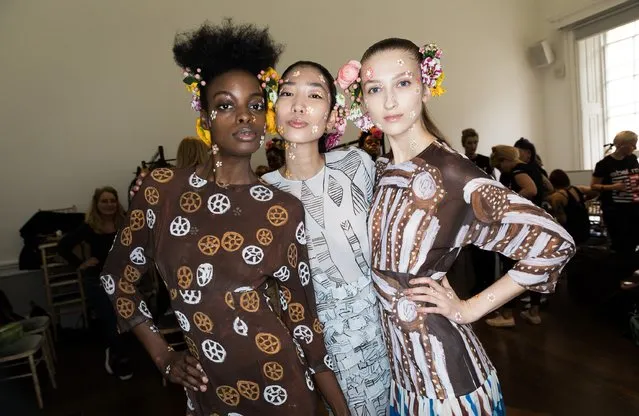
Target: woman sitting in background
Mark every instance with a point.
(103, 219)
(569, 205)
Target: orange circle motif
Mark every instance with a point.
(152, 195)
(232, 241)
(203, 322)
(125, 307)
(131, 274)
(268, 343)
(209, 245)
(137, 220)
(250, 301)
(184, 277)
(317, 326)
(228, 395)
(126, 287)
(192, 347)
(249, 389)
(126, 238)
(162, 175)
(264, 236)
(173, 293)
(286, 294)
(273, 370)
(277, 215)
(296, 312)
(292, 255)
(228, 299)
(190, 202)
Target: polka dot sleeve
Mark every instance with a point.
(130, 257)
(297, 296)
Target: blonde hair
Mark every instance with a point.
(191, 152)
(93, 217)
(625, 137)
(502, 153)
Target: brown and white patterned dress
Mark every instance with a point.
(217, 249)
(424, 210)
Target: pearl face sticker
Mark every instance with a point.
(314, 129)
(322, 79)
(369, 73)
(280, 130)
(296, 74)
(400, 62)
(213, 115)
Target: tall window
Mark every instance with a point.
(621, 79)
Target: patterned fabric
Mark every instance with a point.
(337, 201)
(217, 249)
(424, 210)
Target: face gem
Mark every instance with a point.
(296, 73)
(400, 62)
(314, 129)
(369, 73)
(322, 79)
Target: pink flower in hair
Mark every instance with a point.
(348, 74)
(364, 123)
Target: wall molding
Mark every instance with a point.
(560, 21)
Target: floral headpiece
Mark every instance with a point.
(270, 82)
(349, 80)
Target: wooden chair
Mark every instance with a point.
(24, 351)
(41, 325)
(63, 286)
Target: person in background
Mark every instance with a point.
(274, 156)
(470, 140)
(103, 219)
(525, 181)
(569, 205)
(528, 154)
(371, 142)
(483, 261)
(616, 176)
(192, 151)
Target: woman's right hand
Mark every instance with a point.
(182, 368)
(619, 186)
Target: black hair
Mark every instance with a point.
(217, 49)
(332, 90)
(526, 144)
(559, 179)
(410, 47)
(466, 133)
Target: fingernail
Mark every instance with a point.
(199, 367)
(194, 388)
(205, 380)
(203, 388)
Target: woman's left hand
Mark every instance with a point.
(444, 299)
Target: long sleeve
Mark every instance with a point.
(130, 258)
(502, 221)
(70, 241)
(297, 294)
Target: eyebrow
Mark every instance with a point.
(403, 74)
(312, 84)
(255, 94)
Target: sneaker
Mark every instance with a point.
(533, 319)
(501, 322)
(108, 361)
(123, 369)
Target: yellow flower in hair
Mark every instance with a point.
(193, 88)
(438, 90)
(202, 133)
(270, 120)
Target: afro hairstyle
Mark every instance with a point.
(217, 49)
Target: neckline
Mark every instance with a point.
(318, 174)
(227, 186)
(419, 155)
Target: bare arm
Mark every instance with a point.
(597, 185)
(528, 187)
(559, 202)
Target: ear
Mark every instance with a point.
(332, 120)
(206, 123)
(427, 95)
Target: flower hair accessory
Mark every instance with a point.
(431, 69)
(194, 81)
(270, 82)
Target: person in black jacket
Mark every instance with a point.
(470, 141)
(103, 219)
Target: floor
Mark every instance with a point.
(575, 363)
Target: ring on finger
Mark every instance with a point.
(167, 369)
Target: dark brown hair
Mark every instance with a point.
(559, 179)
(466, 133)
(407, 46)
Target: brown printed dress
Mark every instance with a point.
(217, 250)
(424, 210)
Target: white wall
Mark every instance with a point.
(561, 109)
(90, 88)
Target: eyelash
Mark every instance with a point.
(370, 90)
(403, 84)
(289, 94)
(254, 107)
